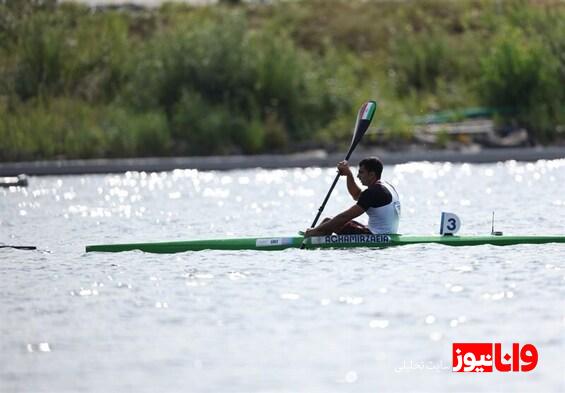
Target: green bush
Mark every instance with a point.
(202, 128)
(39, 68)
(521, 74)
(222, 78)
(133, 134)
(419, 61)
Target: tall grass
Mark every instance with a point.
(67, 128)
(78, 55)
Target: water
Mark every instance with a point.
(326, 320)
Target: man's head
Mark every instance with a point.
(370, 170)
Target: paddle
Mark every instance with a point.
(18, 247)
(364, 117)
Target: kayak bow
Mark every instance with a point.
(333, 241)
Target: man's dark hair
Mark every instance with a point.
(372, 164)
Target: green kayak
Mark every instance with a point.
(333, 241)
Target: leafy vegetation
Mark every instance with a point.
(246, 78)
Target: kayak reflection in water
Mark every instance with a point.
(379, 200)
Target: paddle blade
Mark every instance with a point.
(364, 118)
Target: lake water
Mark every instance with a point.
(356, 320)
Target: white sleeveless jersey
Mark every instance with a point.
(385, 219)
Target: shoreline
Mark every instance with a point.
(301, 160)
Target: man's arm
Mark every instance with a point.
(352, 187)
(330, 226)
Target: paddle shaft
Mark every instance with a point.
(323, 206)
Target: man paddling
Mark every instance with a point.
(379, 200)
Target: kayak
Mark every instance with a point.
(317, 242)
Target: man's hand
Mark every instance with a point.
(343, 169)
(310, 232)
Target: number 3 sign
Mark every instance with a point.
(450, 224)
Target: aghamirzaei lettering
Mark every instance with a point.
(333, 239)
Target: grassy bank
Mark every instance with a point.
(181, 80)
